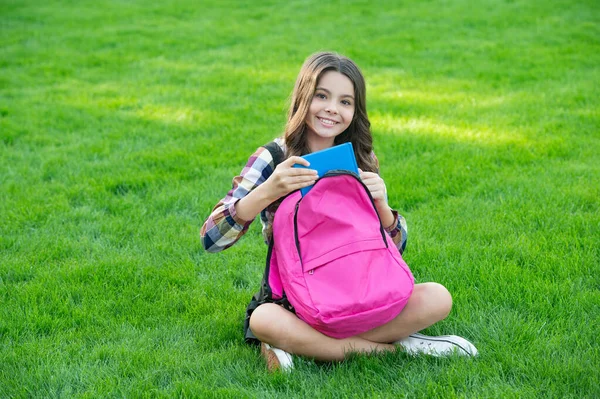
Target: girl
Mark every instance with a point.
(328, 108)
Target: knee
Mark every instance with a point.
(438, 299)
(263, 321)
(444, 300)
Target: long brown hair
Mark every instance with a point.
(359, 131)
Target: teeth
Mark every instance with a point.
(327, 121)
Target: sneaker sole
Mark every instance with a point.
(467, 347)
(271, 358)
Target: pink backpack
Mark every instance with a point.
(333, 261)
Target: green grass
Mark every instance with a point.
(122, 123)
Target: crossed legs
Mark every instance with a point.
(270, 323)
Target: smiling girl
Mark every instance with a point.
(328, 107)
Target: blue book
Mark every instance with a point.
(339, 157)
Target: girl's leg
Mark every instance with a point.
(282, 329)
(270, 323)
(428, 304)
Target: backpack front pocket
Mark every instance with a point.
(354, 279)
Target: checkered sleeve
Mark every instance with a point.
(223, 227)
(397, 230)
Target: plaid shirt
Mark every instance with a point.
(223, 228)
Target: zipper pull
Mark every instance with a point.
(312, 271)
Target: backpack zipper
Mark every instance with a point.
(330, 174)
(296, 239)
(357, 177)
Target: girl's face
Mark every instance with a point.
(331, 110)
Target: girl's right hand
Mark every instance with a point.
(286, 178)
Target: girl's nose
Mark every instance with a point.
(331, 109)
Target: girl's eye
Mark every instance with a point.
(320, 95)
(346, 102)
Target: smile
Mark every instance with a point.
(326, 121)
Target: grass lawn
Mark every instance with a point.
(123, 122)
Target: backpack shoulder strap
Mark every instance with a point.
(276, 153)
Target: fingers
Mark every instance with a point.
(374, 184)
(289, 184)
(377, 193)
(287, 168)
(303, 180)
(296, 160)
(370, 177)
(288, 178)
(375, 188)
(298, 172)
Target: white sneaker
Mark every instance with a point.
(277, 359)
(443, 345)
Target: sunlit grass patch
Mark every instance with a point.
(484, 135)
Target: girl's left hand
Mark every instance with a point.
(376, 186)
